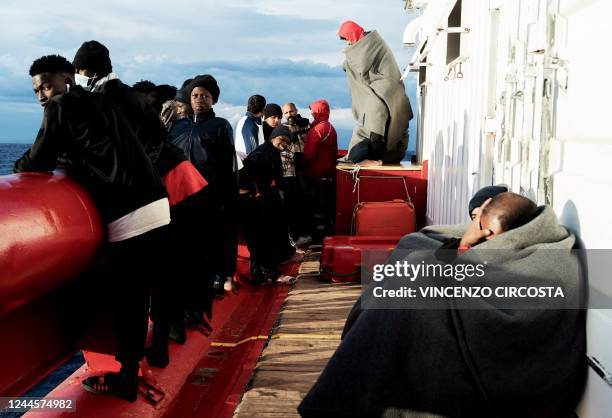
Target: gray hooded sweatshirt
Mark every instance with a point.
(379, 100)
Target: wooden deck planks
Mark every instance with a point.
(307, 334)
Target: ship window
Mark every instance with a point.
(453, 40)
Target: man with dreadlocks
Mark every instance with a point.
(104, 155)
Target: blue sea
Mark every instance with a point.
(11, 152)
(8, 154)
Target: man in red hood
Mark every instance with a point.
(321, 146)
(319, 163)
(379, 103)
(351, 32)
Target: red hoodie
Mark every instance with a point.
(321, 146)
(351, 31)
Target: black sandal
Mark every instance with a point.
(112, 384)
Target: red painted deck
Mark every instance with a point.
(207, 375)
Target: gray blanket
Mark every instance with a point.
(489, 361)
(379, 100)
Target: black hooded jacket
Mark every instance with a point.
(267, 130)
(145, 123)
(102, 152)
(208, 143)
(261, 166)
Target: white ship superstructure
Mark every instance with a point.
(515, 92)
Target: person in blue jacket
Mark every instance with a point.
(249, 130)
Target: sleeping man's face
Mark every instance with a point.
(489, 221)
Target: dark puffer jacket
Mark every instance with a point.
(145, 123)
(207, 141)
(101, 150)
(261, 167)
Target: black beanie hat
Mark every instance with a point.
(208, 82)
(93, 56)
(182, 96)
(272, 109)
(483, 194)
(280, 130)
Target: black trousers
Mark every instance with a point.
(188, 252)
(264, 226)
(294, 204)
(321, 206)
(135, 264)
(226, 244)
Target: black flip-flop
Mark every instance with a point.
(102, 385)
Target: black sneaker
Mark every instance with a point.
(157, 357)
(177, 332)
(258, 275)
(113, 384)
(193, 317)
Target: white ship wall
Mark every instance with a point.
(581, 162)
(531, 112)
(454, 118)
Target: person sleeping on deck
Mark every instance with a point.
(467, 357)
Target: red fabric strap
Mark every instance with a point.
(183, 181)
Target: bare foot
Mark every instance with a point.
(370, 163)
(286, 280)
(297, 257)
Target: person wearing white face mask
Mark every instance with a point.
(93, 71)
(92, 66)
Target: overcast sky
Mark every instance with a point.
(284, 50)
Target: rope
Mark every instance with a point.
(355, 174)
(236, 344)
(390, 177)
(287, 336)
(279, 336)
